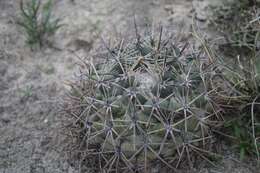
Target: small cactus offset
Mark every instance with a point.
(147, 103)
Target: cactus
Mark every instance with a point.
(147, 102)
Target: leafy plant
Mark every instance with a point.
(37, 21)
(145, 103)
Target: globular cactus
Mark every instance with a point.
(147, 102)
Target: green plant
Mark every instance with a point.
(237, 79)
(241, 93)
(145, 103)
(238, 130)
(26, 92)
(240, 75)
(37, 21)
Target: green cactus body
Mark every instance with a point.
(135, 123)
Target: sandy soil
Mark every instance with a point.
(32, 83)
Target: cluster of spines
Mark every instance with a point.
(131, 126)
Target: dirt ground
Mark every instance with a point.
(32, 83)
